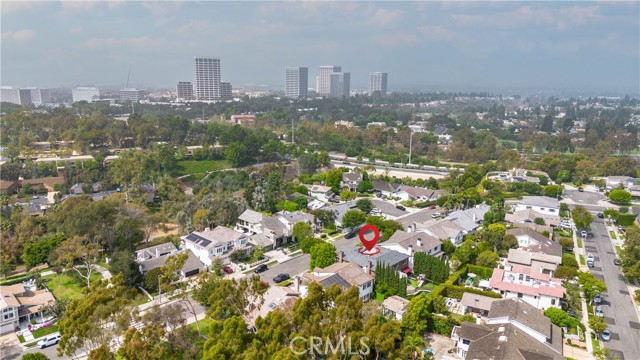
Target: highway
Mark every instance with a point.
(396, 172)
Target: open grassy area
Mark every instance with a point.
(582, 260)
(579, 243)
(612, 234)
(67, 286)
(618, 250)
(45, 331)
(186, 167)
(204, 325)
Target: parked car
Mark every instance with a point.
(400, 207)
(590, 264)
(432, 207)
(601, 215)
(590, 257)
(580, 189)
(622, 228)
(606, 335)
(616, 262)
(49, 340)
(350, 235)
(260, 268)
(280, 278)
(597, 299)
(599, 311)
(334, 200)
(227, 269)
(572, 313)
(569, 249)
(584, 233)
(436, 215)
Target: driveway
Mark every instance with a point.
(619, 310)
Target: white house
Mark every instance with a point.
(320, 192)
(443, 230)
(543, 204)
(208, 244)
(386, 188)
(411, 243)
(540, 290)
(156, 256)
(19, 303)
(351, 180)
(395, 306)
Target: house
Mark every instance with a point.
(36, 206)
(525, 216)
(537, 262)
(19, 303)
(532, 241)
(542, 204)
(443, 230)
(619, 182)
(150, 258)
(48, 183)
(469, 220)
(76, 189)
(414, 193)
(263, 230)
(351, 180)
(410, 243)
(379, 255)
(514, 330)
(157, 251)
(320, 192)
(539, 290)
(476, 304)
(244, 120)
(209, 243)
(395, 306)
(409, 220)
(386, 188)
(290, 219)
(275, 297)
(340, 209)
(8, 187)
(344, 274)
(533, 226)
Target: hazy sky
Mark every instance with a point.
(422, 45)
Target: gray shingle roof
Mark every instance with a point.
(542, 201)
(386, 256)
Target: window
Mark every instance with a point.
(521, 277)
(527, 278)
(466, 342)
(552, 210)
(553, 301)
(542, 209)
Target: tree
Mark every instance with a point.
(307, 243)
(365, 205)
(308, 163)
(566, 242)
(434, 269)
(79, 249)
(333, 178)
(322, 255)
(630, 255)
(581, 217)
(236, 154)
(389, 282)
(143, 344)
(591, 285)
(619, 196)
(302, 230)
(123, 262)
(597, 324)
(323, 158)
(37, 251)
(560, 318)
(487, 259)
(201, 219)
(151, 279)
(353, 218)
(538, 221)
(170, 281)
(346, 195)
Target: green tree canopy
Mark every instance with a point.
(322, 255)
(581, 217)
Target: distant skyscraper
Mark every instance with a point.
(378, 82)
(225, 90)
(15, 96)
(184, 90)
(324, 79)
(296, 82)
(340, 84)
(39, 96)
(131, 95)
(207, 71)
(88, 94)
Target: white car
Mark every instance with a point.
(584, 233)
(436, 215)
(599, 311)
(590, 257)
(49, 340)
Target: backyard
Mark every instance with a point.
(66, 285)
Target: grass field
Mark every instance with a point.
(186, 167)
(67, 286)
(579, 243)
(612, 234)
(582, 260)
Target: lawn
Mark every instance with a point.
(67, 286)
(204, 325)
(186, 167)
(618, 249)
(612, 234)
(582, 260)
(45, 331)
(579, 243)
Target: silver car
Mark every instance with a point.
(606, 335)
(599, 311)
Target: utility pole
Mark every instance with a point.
(292, 132)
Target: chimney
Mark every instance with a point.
(474, 218)
(207, 229)
(410, 248)
(419, 242)
(297, 284)
(369, 266)
(341, 257)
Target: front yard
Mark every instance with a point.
(66, 286)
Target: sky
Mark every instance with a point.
(481, 45)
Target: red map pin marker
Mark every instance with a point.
(369, 244)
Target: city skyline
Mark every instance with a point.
(425, 45)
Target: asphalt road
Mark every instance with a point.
(300, 264)
(584, 197)
(619, 311)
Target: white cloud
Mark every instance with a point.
(528, 15)
(78, 5)
(16, 6)
(162, 8)
(134, 42)
(437, 33)
(20, 36)
(384, 17)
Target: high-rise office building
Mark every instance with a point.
(39, 96)
(15, 96)
(225, 90)
(88, 94)
(207, 72)
(340, 84)
(296, 81)
(378, 83)
(131, 94)
(184, 90)
(323, 86)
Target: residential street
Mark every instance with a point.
(619, 311)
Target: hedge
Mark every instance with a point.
(15, 280)
(456, 292)
(626, 219)
(482, 271)
(440, 325)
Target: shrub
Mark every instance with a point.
(626, 219)
(481, 271)
(456, 292)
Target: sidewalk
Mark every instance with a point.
(585, 313)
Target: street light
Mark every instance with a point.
(410, 144)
